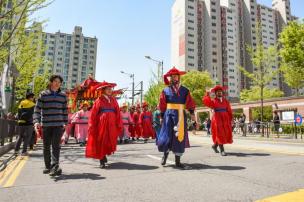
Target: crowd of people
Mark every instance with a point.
(100, 127)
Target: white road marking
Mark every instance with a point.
(159, 159)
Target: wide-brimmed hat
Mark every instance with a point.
(145, 104)
(171, 72)
(218, 88)
(105, 84)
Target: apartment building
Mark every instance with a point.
(212, 35)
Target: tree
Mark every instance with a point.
(153, 93)
(29, 59)
(253, 94)
(263, 60)
(292, 54)
(197, 82)
(14, 15)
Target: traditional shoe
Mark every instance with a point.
(178, 164)
(164, 159)
(214, 147)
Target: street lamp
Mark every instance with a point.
(132, 77)
(159, 64)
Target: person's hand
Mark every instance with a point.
(36, 127)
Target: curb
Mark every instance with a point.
(6, 148)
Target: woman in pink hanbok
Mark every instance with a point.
(126, 120)
(81, 124)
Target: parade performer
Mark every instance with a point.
(221, 124)
(156, 122)
(137, 125)
(127, 121)
(81, 123)
(68, 128)
(146, 120)
(174, 99)
(132, 126)
(104, 125)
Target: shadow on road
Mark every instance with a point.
(130, 166)
(237, 154)
(78, 176)
(199, 166)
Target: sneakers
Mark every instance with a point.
(46, 171)
(55, 170)
(24, 154)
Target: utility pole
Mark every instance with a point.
(141, 91)
(133, 88)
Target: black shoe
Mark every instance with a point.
(55, 171)
(164, 159)
(120, 141)
(126, 141)
(145, 140)
(102, 164)
(214, 147)
(133, 139)
(223, 153)
(178, 164)
(105, 159)
(46, 171)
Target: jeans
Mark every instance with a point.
(25, 134)
(52, 136)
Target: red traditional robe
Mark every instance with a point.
(221, 120)
(132, 126)
(137, 126)
(105, 125)
(146, 120)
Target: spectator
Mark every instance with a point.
(242, 122)
(208, 126)
(276, 122)
(25, 122)
(51, 113)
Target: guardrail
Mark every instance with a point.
(269, 129)
(8, 130)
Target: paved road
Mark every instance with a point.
(253, 170)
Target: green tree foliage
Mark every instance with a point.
(263, 60)
(267, 114)
(153, 93)
(28, 60)
(14, 16)
(197, 82)
(253, 94)
(292, 54)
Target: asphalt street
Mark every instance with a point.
(253, 170)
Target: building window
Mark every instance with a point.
(190, 35)
(191, 49)
(190, 42)
(214, 60)
(190, 7)
(213, 10)
(213, 17)
(190, 64)
(191, 57)
(190, 21)
(213, 24)
(214, 31)
(191, 28)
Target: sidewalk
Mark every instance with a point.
(257, 137)
(254, 144)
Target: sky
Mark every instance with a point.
(127, 30)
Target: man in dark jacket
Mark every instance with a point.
(25, 122)
(51, 113)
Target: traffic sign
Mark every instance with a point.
(298, 120)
